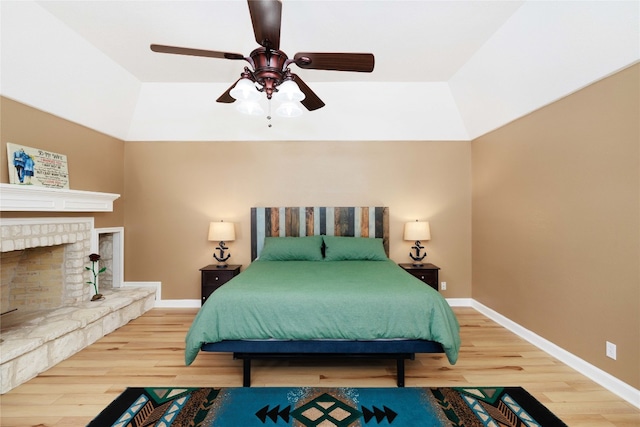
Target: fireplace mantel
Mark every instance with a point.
(23, 198)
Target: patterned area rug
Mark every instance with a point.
(326, 407)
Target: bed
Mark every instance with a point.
(321, 285)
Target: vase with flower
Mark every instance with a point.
(94, 258)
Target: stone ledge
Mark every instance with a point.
(34, 342)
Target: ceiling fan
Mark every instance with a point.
(269, 66)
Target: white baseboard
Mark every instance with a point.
(179, 303)
(460, 302)
(608, 381)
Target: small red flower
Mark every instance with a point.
(95, 258)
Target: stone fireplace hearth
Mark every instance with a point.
(43, 326)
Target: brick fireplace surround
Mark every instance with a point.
(44, 331)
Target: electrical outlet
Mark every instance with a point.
(611, 350)
(443, 286)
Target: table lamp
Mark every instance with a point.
(417, 230)
(222, 232)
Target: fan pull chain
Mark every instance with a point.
(269, 114)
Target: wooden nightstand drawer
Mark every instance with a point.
(213, 277)
(428, 273)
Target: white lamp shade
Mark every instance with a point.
(222, 231)
(252, 108)
(244, 90)
(289, 109)
(289, 91)
(417, 230)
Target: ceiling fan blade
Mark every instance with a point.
(360, 62)
(266, 16)
(195, 52)
(226, 97)
(311, 100)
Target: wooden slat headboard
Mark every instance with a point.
(310, 221)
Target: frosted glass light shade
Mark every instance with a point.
(222, 231)
(417, 230)
(289, 91)
(289, 109)
(244, 90)
(252, 108)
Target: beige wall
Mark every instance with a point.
(95, 161)
(556, 223)
(174, 189)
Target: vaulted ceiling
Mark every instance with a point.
(444, 70)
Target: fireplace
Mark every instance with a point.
(43, 263)
(49, 315)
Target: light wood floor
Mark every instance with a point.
(150, 352)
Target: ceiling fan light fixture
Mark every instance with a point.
(289, 91)
(268, 71)
(289, 109)
(252, 108)
(245, 90)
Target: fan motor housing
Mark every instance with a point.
(269, 68)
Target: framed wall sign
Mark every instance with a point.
(32, 166)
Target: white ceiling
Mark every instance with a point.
(412, 40)
(445, 70)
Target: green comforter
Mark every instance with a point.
(307, 300)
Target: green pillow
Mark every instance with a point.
(353, 248)
(307, 248)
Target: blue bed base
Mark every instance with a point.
(400, 350)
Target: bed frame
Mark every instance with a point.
(332, 221)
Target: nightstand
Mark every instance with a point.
(428, 273)
(213, 277)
